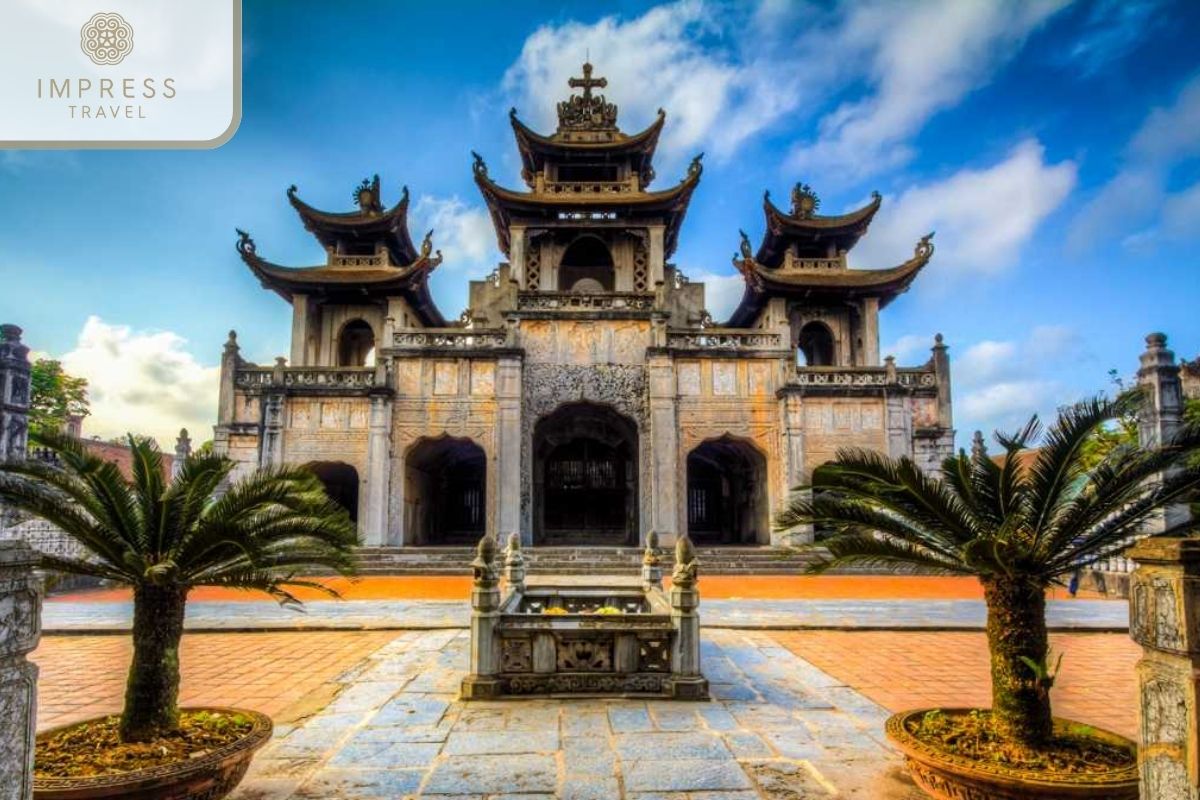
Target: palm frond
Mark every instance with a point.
(872, 550)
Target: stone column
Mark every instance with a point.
(1164, 618)
(869, 355)
(941, 372)
(20, 629)
(664, 452)
(270, 446)
(230, 358)
(379, 463)
(14, 393)
(482, 682)
(794, 475)
(508, 448)
(1162, 412)
(183, 449)
(686, 682)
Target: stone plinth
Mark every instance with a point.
(1164, 612)
(20, 629)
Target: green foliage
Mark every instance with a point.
(163, 537)
(55, 396)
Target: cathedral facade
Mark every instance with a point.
(586, 396)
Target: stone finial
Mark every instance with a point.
(889, 368)
(685, 573)
(650, 554)
(652, 573)
(514, 563)
(978, 447)
(10, 333)
(484, 565)
(183, 445)
(231, 344)
(938, 340)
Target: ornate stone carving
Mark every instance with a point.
(578, 684)
(725, 339)
(654, 655)
(585, 655)
(20, 629)
(516, 655)
(578, 301)
(863, 376)
(458, 338)
(587, 111)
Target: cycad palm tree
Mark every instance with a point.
(162, 538)
(1017, 528)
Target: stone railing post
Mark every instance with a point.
(183, 449)
(482, 683)
(514, 564)
(1164, 618)
(652, 574)
(686, 680)
(14, 393)
(20, 629)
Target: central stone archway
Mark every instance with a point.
(585, 477)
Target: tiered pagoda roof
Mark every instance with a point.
(587, 135)
(370, 256)
(802, 256)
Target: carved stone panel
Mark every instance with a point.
(585, 655)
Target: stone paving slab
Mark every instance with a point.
(787, 735)
(938, 615)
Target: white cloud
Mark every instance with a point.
(463, 233)
(909, 348)
(918, 59)
(982, 217)
(722, 293)
(1134, 202)
(1007, 405)
(985, 361)
(144, 382)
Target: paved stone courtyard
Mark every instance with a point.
(778, 727)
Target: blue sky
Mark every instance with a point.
(1053, 146)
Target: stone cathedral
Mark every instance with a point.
(586, 396)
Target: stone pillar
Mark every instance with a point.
(794, 475)
(1164, 618)
(508, 447)
(665, 508)
(270, 446)
(686, 682)
(869, 355)
(14, 393)
(183, 449)
(941, 373)
(1161, 414)
(300, 309)
(20, 629)
(379, 463)
(481, 683)
(230, 358)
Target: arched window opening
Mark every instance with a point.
(341, 484)
(816, 345)
(587, 267)
(727, 493)
(356, 345)
(585, 477)
(445, 495)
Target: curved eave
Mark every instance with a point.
(848, 284)
(390, 226)
(504, 203)
(536, 148)
(410, 281)
(782, 229)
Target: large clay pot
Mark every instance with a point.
(210, 777)
(946, 776)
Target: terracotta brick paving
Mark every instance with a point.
(84, 676)
(900, 670)
(715, 587)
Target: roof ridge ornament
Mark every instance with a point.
(746, 265)
(367, 196)
(245, 245)
(590, 112)
(805, 201)
(924, 248)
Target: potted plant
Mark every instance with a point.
(1018, 529)
(161, 538)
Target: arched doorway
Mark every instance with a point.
(586, 266)
(585, 477)
(356, 345)
(727, 493)
(445, 500)
(341, 483)
(816, 345)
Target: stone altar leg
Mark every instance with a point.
(1164, 611)
(20, 629)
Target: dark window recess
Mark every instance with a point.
(582, 173)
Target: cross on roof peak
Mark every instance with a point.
(587, 82)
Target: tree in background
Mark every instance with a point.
(55, 396)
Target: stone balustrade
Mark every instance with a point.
(725, 339)
(588, 187)
(864, 376)
(255, 377)
(577, 301)
(449, 339)
(20, 630)
(360, 261)
(810, 264)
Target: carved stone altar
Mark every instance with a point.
(592, 635)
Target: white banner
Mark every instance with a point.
(119, 73)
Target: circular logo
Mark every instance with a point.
(106, 38)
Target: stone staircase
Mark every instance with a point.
(581, 560)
